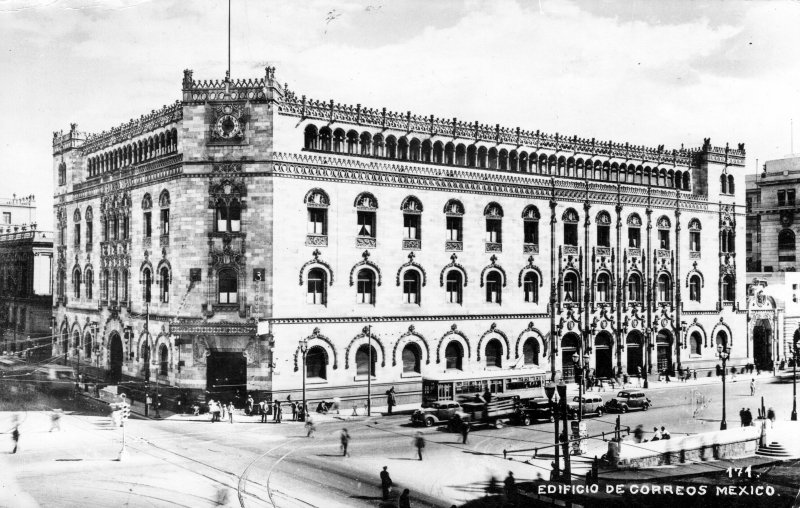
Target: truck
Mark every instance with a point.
(494, 413)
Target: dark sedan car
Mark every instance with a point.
(627, 400)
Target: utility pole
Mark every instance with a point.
(369, 370)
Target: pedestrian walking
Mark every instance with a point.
(55, 420)
(752, 387)
(345, 438)
(294, 411)
(230, 411)
(404, 501)
(391, 401)
(386, 483)
(15, 437)
(638, 434)
(310, 427)
(248, 408)
(465, 428)
(510, 489)
(419, 443)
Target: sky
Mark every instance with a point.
(647, 73)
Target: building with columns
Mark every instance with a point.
(247, 235)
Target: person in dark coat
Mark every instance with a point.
(404, 501)
(15, 437)
(465, 428)
(419, 443)
(391, 400)
(386, 483)
(345, 439)
(510, 488)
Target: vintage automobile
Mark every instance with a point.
(592, 405)
(627, 400)
(438, 412)
(532, 410)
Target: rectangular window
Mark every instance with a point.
(663, 239)
(634, 238)
(316, 288)
(77, 235)
(364, 289)
(411, 226)
(694, 241)
(410, 291)
(115, 229)
(494, 231)
(89, 233)
(570, 234)
(148, 224)
(453, 291)
(316, 221)
(492, 291)
(125, 228)
(454, 228)
(531, 232)
(165, 221)
(6, 217)
(790, 197)
(366, 224)
(781, 197)
(105, 230)
(604, 236)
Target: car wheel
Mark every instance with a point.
(552, 418)
(599, 412)
(428, 422)
(645, 407)
(498, 424)
(623, 409)
(526, 421)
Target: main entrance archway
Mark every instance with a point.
(602, 355)
(226, 373)
(762, 345)
(115, 356)
(664, 351)
(570, 344)
(635, 356)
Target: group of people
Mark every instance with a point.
(746, 416)
(219, 410)
(658, 434)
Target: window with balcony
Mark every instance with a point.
(663, 239)
(634, 288)
(603, 288)
(571, 292)
(664, 288)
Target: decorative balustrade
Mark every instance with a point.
(412, 244)
(570, 250)
(494, 247)
(453, 245)
(530, 248)
(366, 242)
(316, 240)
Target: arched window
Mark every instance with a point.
(365, 289)
(664, 288)
(494, 287)
(391, 147)
(723, 184)
(104, 294)
(530, 352)
(412, 218)
(411, 287)
(228, 286)
(115, 287)
(163, 360)
(694, 288)
(454, 212)
(603, 221)
(494, 354)
(571, 292)
(89, 281)
(366, 206)
(377, 145)
(453, 355)
(530, 286)
(722, 339)
(316, 285)
(786, 245)
(62, 174)
(728, 289)
(87, 346)
(411, 359)
(530, 224)
(164, 283)
(634, 288)
(366, 142)
(352, 142)
(317, 204)
(494, 223)
(634, 231)
(76, 282)
(694, 235)
(603, 288)
(147, 279)
(363, 364)
(338, 140)
(454, 287)
(325, 139)
(695, 344)
(425, 152)
(123, 283)
(311, 137)
(570, 219)
(438, 152)
(730, 184)
(316, 364)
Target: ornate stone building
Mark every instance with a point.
(253, 219)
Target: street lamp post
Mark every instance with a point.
(562, 396)
(579, 368)
(368, 331)
(724, 353)
(550, 390)
(303, 351)
(795, 356)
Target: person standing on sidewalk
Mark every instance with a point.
(391, 401)
(230, 412)
(419, 443)
(403, 501)
(345, 438)
(752, 387)
(386, 483)
(294, 411)
(510, 489)
(465, 428)
(279, 412)
(262, 410)
(248, 409)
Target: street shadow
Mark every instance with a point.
(368, 498)
(405, 458)
(329, 455)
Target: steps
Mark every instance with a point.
(773, 450)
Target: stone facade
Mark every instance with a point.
(449, 246)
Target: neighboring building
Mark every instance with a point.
(26, 296)
(251, 218)
(17, 211)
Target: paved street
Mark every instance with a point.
(188, 461)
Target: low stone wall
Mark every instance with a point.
(723, 444)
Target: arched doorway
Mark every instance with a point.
(602, 355)
(570, 344)
(635, 356)
(762, 344)
(494, 354)
(664, 351)
(115, 358)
